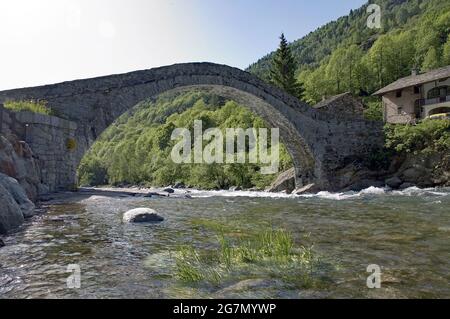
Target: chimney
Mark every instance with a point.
(414, 72)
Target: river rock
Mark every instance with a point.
(419, 176)
(235, 188)
(311, 188)
(18, 194)
(179, 185)
(249, 285)
(10, 213)
(406, 185)
(284, 182)
(142, 215)
(16, 160)
(169, 190)
(364, 184)
(394, 182)
(153, 194)
(2, 244)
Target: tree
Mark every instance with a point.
(431, 60)
(446, 54)
(282, 73)
(401, 16)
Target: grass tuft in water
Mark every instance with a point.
(271, 253)
(187, 265)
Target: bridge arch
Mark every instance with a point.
(318, 142)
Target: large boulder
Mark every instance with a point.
(406, 186)
(18, 194)
(426, 170)
(364, 184)
(284, 182)
(10, 213)
(16, 160)
(142, 215)
(394, 182)
(310, 188)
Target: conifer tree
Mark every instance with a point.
(282, 72)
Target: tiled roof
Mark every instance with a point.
(414, 80)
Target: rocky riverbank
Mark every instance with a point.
(15, 205)
(19, 183)
(431, 170)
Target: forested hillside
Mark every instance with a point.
(136, 149)
(346, 55)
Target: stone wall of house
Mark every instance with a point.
(392, 103)
(343, 104)
(49, 142)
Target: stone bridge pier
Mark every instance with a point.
(320, 143)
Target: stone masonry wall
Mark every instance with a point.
(48, 137)
(392, 103)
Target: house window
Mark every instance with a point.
(400, 110)
(417, 90)
(436, 92)
(399, 93)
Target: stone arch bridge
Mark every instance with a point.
(320, 143)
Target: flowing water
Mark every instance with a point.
(406, 233)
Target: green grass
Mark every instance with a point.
(271, 253)
(31, 106)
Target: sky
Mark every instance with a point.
(50, 41)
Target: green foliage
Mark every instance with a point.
(282, 72)
(347, 56)
(379, 159)
(92, 172)
(71, 144)
(31, 106)
(273, 252)
(427, 137)
(446, 52)
(374, 109)
(136, 149)
(431, 60)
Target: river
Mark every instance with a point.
(406, 233)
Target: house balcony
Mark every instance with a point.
(438, 100)
(427, 107)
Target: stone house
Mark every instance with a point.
(416, 97)
(342, 104)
